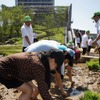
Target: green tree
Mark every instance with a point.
(12, 17)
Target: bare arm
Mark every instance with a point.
(27, 39)
(59, 82)
(98, 37)
(94, 42)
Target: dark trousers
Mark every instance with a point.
(78, 45)
(84, 51)
(89, 48)
(35, 40)
(23, 49)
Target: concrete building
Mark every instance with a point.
(35, 3)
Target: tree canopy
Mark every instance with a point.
(12, 18)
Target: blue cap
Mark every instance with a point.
(64, 48)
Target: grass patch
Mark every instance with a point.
(54, 34)
(88, 95)
(10, 49)
(93, 64)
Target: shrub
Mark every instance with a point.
(88, 95)
(93, 64)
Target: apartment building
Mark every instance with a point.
(35, 3)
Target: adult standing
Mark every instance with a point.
(78, 41)
(78, 38)
(96, 18)
(90, 40)
(27, 32)
(84, 43)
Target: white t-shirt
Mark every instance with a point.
(90, 42)
(98, 31)
(84, 40)
(26, 31)
(78, 39)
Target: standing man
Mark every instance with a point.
(90, 40)
(96, 18)
(27, 33)
(84, 43)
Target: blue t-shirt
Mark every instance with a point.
(43, 45)
(47, 45)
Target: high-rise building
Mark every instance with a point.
(35, 3)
